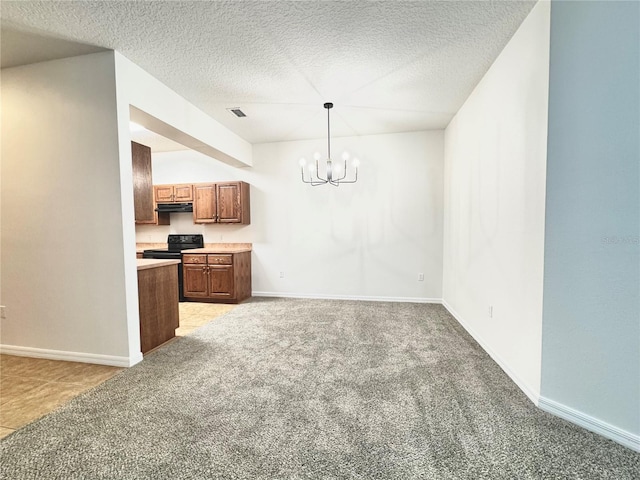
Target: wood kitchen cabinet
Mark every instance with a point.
(219, 277)
(226, 202)
(157, 302)
(144, 208)
(178, 193)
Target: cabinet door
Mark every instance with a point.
(194, 282)
(204, 203)
(229, 203)
(221, 281)
(163, 193)
(183, 193)
(142, 186)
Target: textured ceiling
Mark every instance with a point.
(388, 66)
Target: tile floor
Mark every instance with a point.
(194, 315)
(33, 387)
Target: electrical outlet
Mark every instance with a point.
(281, 274)
(490, 311)
(421, 277)
(2, 312)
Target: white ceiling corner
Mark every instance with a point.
(388, 66)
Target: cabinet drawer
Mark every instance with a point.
(220, 259)
(198, 259)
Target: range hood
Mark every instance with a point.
(174, 207)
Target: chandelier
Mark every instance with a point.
(335, 173)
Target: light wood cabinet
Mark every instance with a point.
(225, 202)
(219, 277)
(144, 208)
(178, 193)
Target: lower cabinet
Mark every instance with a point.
(158, 305)
(217, 277)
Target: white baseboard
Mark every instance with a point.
(112, 360)
(595, 425)
(347, 297)
(616, 434)
(522, 385)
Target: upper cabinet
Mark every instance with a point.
(222, 202)
(226, 202)
(173, 193)
(142, 184)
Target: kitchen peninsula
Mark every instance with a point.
(157, 301)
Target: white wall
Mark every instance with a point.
(591, 342)
(495, 154)
(367, 240)
(62, 249)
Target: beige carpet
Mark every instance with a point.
(312, 389)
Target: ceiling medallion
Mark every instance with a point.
(334, 173)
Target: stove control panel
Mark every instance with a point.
(183, 242)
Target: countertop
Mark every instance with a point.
(221, 248)
(208, 247)
(144, 263)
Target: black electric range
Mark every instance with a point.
(176, 244)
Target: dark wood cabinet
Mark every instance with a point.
(222, 202)
(204, 204)
(144, 208)
(158, 305)
(221, 283)
(226, 202)
(220, 277)
(195, 281)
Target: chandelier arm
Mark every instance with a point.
(351, 181)
(344, 174)
(303, 179)
(312, 182)
(323, 180)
